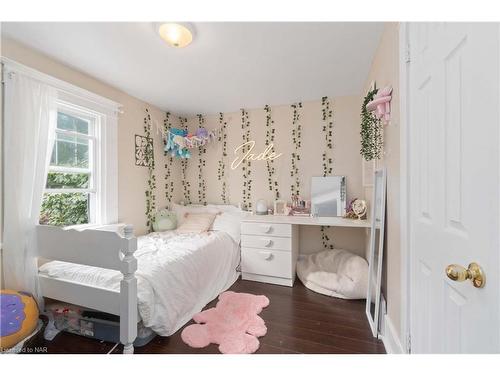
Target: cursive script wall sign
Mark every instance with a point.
(267, 154)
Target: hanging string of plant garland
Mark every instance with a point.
(271, 171)
(297, 144)
(371, 131)
(327, 127)
(169, 183)
(186, 185)
(221, 170)
(202, 186)
(327, 114)
(151, 183)
(246, 164)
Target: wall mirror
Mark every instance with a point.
(376, 251)
(328, 196)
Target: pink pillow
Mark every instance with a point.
(196, 223)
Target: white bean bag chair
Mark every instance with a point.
(336, 273)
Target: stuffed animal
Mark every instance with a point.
(233, 324)
(164, 220)
(176, 143)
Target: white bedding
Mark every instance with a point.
(178, 274)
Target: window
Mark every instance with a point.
(72, 190)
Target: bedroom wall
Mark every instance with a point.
(346, 160)
(385, 71)
(131, 179)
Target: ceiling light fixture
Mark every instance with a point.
(176, 34)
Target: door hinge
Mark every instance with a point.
(408, 343)
(407, 54)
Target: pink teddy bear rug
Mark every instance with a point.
(233, 324)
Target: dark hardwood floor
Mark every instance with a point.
(298, 321)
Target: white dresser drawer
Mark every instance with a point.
(268, 229)
(267, 262)
(266, 242)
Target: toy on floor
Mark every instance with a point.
(233, 324)
(18, 317)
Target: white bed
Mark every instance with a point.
(161, 278)
(177, 275)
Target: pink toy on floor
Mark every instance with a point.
(233, 324)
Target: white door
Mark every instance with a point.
(454, 185)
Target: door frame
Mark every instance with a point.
(404, 165)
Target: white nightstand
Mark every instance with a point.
(269, 250)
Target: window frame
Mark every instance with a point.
(95, 191)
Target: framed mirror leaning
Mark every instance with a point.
(328, 196)
(376, 250)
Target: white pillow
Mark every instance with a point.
(230, 222)
(196, 223)
(225, 207)
(181, 211)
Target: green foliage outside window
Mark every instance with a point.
(65, 208)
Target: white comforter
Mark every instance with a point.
(178, 274)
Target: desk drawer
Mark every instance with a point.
(266, 262)
(267, 229)
(266, 242)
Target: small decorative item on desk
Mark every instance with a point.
(261, 207)
(357, 209)
(300, 207)
(280, 208)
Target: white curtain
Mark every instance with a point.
(30, 118)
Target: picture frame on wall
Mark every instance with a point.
(141, 145)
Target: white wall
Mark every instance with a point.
(385, 71)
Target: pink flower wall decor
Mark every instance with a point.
(381, 104)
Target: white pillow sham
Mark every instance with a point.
(225, 207)
(181, 211)
(196, 223)
(229, 222)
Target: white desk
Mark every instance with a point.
(270, 245)
(303, 220)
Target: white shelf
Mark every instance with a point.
(306, 220)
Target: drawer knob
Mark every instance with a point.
(269, 243)
(266, 255)
(268, 228)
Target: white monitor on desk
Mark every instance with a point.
(328, 196)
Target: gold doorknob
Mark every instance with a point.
(474, 273)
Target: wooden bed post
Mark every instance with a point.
(128, 293)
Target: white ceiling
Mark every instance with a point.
(228, 66)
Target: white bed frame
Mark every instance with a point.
(100, 247)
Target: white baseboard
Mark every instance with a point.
(390, 338)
